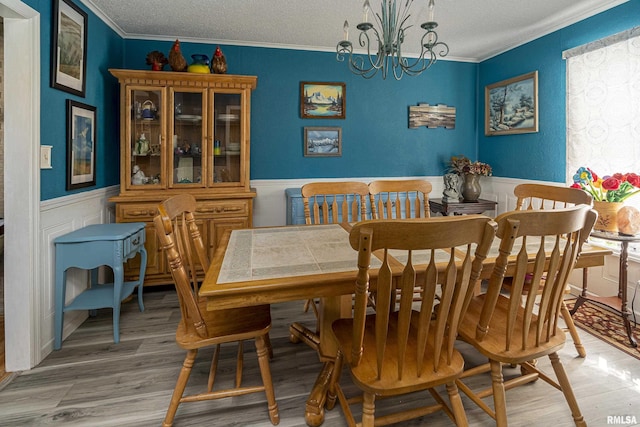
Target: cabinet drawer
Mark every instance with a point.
(223, 208)
(141, 212)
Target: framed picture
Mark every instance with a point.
(69, 48)
(322, 100)
(322, 141)
(81, 145)
(511, 106)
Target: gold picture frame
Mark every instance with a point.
(511, 106)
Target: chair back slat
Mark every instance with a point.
(556, 237)
(400, 199)
(181, 239)
(334, 202)
(541, 196)
(423, 253)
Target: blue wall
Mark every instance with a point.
(542, 155)
(105, 50)
(376, 139)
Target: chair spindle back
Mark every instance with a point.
(334, 202)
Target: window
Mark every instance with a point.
(603, 106)
(603, 110)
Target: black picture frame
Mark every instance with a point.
(69, 48)
(81, 145)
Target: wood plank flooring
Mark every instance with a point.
(93, 382)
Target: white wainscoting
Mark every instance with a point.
(65, 214)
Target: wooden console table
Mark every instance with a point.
(461, 208)
(616, 303)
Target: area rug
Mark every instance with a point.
(606, 325)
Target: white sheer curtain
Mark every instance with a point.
(603, 106)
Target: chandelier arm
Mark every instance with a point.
(390, 36)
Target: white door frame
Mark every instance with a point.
(21, 185)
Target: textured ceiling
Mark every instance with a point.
(474, 29)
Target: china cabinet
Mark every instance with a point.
(184, 132)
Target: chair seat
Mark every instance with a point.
(365, 374)
(493, 344)
(229, 325)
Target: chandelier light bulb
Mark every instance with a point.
(432, 11)
(345, 28)
(365, 11)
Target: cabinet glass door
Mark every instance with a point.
(145, 137)
(188, 139)
(228, 139)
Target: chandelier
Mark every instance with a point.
(383, 43)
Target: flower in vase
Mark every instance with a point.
(610, 188)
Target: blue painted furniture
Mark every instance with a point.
(295, 207)
(89, 248)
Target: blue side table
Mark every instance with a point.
(89, 248)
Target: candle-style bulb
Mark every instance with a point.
(365, 11)
(345, 28)
(432, 6)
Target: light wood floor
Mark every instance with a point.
(93, 382)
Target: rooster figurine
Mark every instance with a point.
(176, 60)
(157, 60)
(219, 62)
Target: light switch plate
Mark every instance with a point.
(45, 157)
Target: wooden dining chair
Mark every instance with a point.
(541, 196)
(334, 202)
(179, 236)
(400, 198)
(392, 353)
(505, 330)
(330, 203)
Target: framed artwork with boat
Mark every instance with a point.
(320, 100)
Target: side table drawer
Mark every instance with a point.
(133, 243)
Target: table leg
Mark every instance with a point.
(331, 308)
(622, 291)
(58, 315)
(314, 409)
(118, 280)
(143, 270)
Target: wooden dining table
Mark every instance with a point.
(278, 264)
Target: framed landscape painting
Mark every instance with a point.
(322, 100)
(69, 48)
(322, 141)
(511, 106)
(81, 145)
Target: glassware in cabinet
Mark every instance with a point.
(228, 138)
(145, 137)
(188, 139)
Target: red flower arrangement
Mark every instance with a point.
(614, 188)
